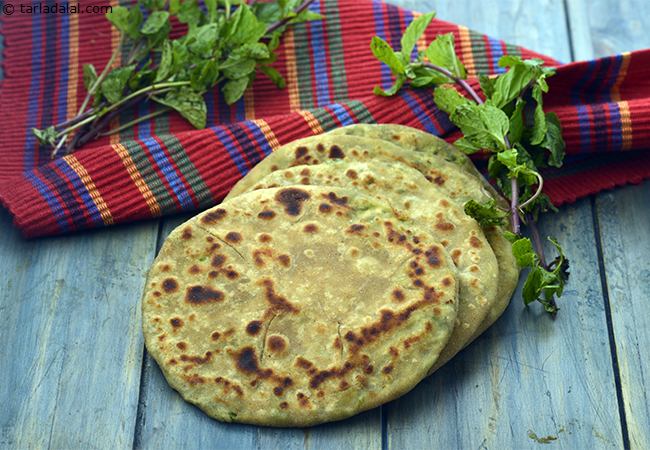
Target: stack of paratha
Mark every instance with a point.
(335, 276)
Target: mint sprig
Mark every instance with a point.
(227, 44)
(508, 122)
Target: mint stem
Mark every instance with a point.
(462, 83)
(281, 23)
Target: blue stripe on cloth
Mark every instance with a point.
(497, 52)
(244, 142)
(172, 177)
(616, 130)
(578, 88)
(605, 89)
(74, 208)
(64, 68)
(386, 76)
(600, 126)
(52, 202)
(229, 145)
(81, 189)
(422, 116)
(260, 139)
(585, 127)
(320, 64)
(341, 114)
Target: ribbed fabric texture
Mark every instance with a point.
(165, 167)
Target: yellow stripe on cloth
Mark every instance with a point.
(626, 125)
(89, 184)
(312, 121)
(622, 73)
(249, 104)
(466, 54)
(148, 196)
(73, 63)
(292, 73)
(268, 133)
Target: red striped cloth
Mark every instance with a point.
(165, 166)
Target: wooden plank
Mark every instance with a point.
(71, 338)
(166, 421)
(623, 218)
(528, 378)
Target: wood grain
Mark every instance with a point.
(71, 338)
(602, 28)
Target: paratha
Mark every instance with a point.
(299, 305)
(419, 141)
(415, 200)
(447, 176)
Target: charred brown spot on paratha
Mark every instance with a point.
(446, 281)
(181, 345)
(352, 174)
(233, 237)
(356, 228)
(398, 295)
(442, 224)
(194, 379)
(276, 344)
(215, 335)
(264, 238)
(199, 295)
(228, 385)
(232, 274)
(292, 200)
(310, 228)
(455, 255)
(176, 322)
(165, 268)
(301, 152)
(324, 208)
(285, 260)
(336, 152)
(213, 216)
(303, 400)
(253, 328)
(187, 233)
(267, 214)
(196, 359)
(284, 405)
(218, 260)
(194, 269)
(170, 285)
(475, 242)
(433, 256)
(387, 369)
(277, 303)
(341, 201)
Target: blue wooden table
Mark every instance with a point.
(75, 373)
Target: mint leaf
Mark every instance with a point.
(517, 125)
(233, 90)
(483, 125)
(385, 53)
(487, 85)
(274, 75)
(466, 147)
(155, 22)
(166, 64)
(486, 214)
(113, 85)
(448, 99)
(553, 141)
(201, 40)
(397, 85)
(522, 249)
(126, 20)
(204, 75)
(244, 27)
(441, 52)
(539, 129)
(46, 136)
(188, 103)
(189, 13)
(412, 33)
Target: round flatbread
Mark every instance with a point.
(419, 141)
(415, 200)
(299, 305)
(447, 176)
